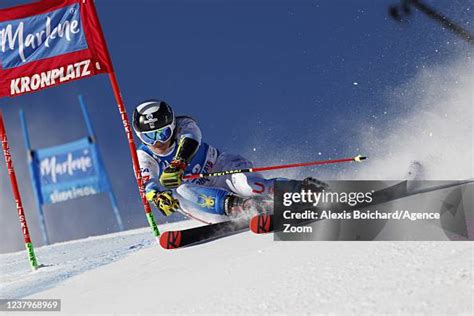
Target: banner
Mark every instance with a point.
(68, 171)
(48, 43)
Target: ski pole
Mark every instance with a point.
(397, 12)
(357, 158)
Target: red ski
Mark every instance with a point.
(197, 235)
(261, 224)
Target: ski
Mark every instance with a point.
(264, 223)
(261, 224)
(197, 235)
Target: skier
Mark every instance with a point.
(171, 147)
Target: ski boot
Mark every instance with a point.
(235, 205)
(314, 185)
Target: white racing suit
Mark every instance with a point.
(202, 198)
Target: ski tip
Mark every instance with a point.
(170, 240)
(261, 224)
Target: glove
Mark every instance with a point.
(172, 176)
(164, 201)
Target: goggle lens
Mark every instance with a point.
(161, 135)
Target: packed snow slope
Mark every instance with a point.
(246, 273)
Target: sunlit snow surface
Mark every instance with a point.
(64, 260)
(246, 273)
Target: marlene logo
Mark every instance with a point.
(32, 38)
(50, 167)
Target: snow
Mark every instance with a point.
(128, 273)
(436, 128)
(65, 260)
(245, 273)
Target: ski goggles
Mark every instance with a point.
(161, 135)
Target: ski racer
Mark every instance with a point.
(171, 147)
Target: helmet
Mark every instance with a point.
(154, 122)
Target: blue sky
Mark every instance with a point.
(267, 79)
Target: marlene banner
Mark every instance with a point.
(48, 43)
(68, 171)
